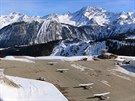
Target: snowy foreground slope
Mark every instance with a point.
(29, 90)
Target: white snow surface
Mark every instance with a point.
(102, 94)
(78, 48)
(29, 90)
(30, 59)
(62, 58)
(12, 58)
(131, 37)
(132, 63)
(122, 58)
(128, 69)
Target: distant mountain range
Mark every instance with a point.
(85, 32)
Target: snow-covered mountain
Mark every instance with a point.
(85, 16)
(93, 15)
(17, 17)
(88, 23)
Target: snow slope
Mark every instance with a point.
(76, 48)
(132, 63)
(128, 69)
(30, 90)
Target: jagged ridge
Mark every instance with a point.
(88, 23)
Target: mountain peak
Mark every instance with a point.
(92, 9)
(89, 11)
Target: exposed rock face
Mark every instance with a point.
(21, 33)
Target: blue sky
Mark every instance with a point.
(44, 7)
